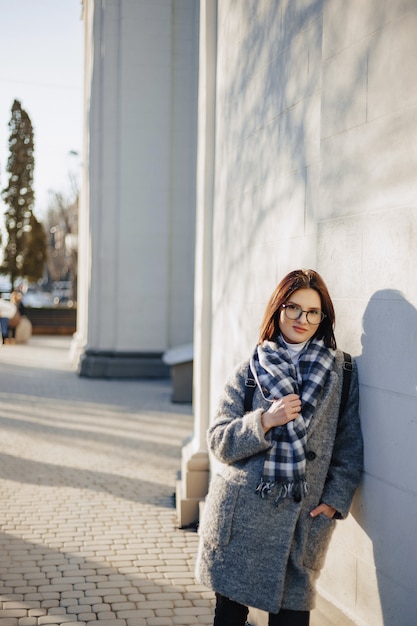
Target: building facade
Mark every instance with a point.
(304, 156)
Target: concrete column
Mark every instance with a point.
(92, 30)
(193, 486)
(137, 217)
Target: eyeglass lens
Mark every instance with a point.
(294, 312)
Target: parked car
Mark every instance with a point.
(38, 299)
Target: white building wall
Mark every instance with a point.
(267, 160)
(316, 161)
(367, 248)
(138, 210)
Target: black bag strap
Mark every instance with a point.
(347, 372)
(250, 385)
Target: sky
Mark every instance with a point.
(41, 52)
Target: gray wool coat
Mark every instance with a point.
(252, 550)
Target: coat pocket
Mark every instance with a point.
(216, 523)
(317, 541)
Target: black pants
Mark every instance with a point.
(230, 613)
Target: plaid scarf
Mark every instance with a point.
(277, 376)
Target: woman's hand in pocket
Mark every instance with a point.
(326, 509)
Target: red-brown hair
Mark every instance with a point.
(299, 279)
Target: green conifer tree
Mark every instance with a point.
(36, 251)
(19, 198)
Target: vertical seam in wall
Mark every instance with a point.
(305, 200)
(367, 92)
(170, 207)
(116, 209)
(99, 195)
(214, 43)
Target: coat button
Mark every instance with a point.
(310, 456)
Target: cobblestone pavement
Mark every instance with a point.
(87, 475)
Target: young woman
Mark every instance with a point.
(290, 465)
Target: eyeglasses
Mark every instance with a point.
(294, 312)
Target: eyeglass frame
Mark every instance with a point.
(285, 306)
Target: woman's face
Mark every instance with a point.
(299, 330)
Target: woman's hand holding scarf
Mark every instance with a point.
(281, 412)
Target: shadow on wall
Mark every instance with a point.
(281, 150)
(267, 137)
(386, 506)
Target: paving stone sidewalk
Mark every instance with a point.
(87, 521)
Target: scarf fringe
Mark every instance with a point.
(291, 489)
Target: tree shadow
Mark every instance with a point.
(94, 422)
(267, 142)
(136, 489)
(386, 503)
